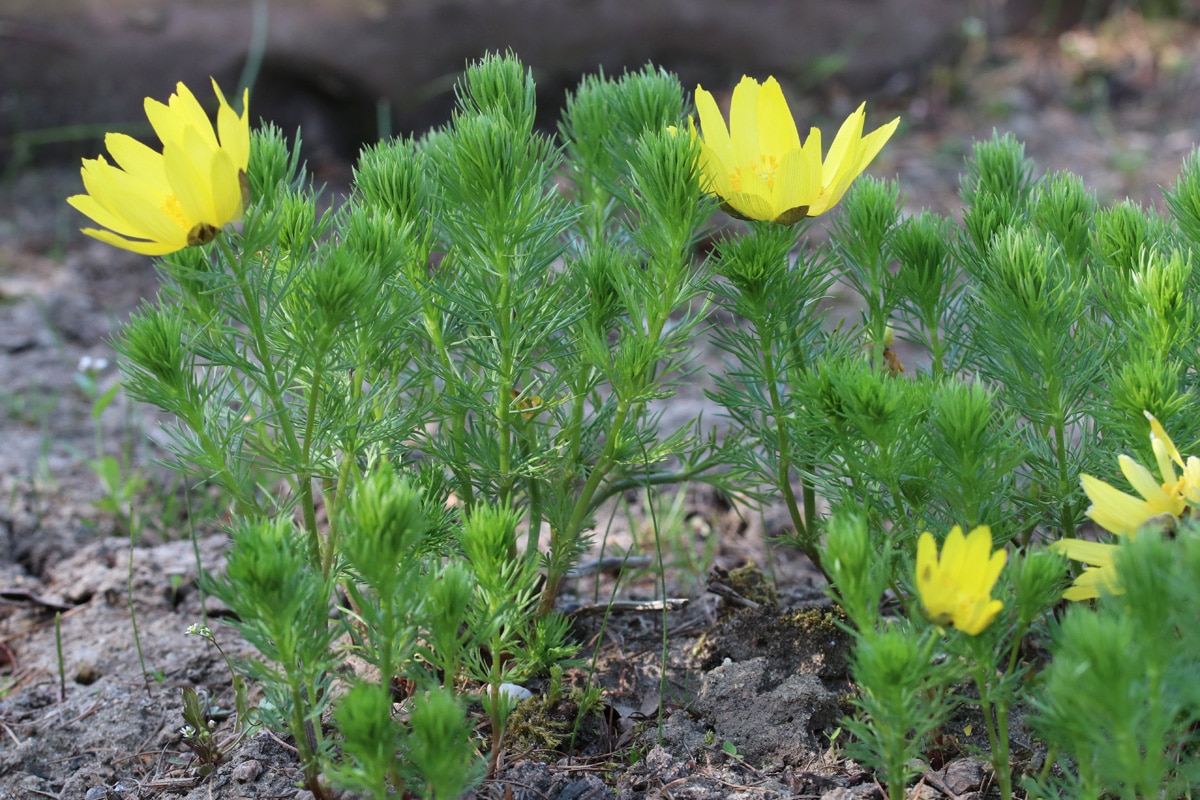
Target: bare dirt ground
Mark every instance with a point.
(1118, 104)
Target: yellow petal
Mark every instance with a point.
(752, 206)
(136, 158)
(1093, 582)
(191, 179)
(715, 172)
(1162, 457)
(954, 552)
(1112, 509)
(146, 248)
(226, 190)
(234, 131)
(1140, 478)
(1157, 431)
(844, 143)
(776, 126)
(798, 181)
(87, 205)
(140, 211)
(743, 122)
(926, 563)
(155, 203)
(1078, 591)
(1097, 554)
(712, 125)
(873, 142)
(980, 616)
(866, 150)
(187, 108)
(1191, 481)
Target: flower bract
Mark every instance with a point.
(1124, 514)
(956, 589)
(157, 203)
(758, 166)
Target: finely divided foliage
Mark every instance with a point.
(418, 403)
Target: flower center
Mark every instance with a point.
(172, 208)
(766, 168)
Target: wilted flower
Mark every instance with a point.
(1123, 514)
(957, 588)
(157, 203)
(758, 166)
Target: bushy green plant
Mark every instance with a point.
(418, 401)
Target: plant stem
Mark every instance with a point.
(262, 352)
(784, 469)
(302, 731)
(137, 638)
(582, 507)
(995, 723)
(1066, 515)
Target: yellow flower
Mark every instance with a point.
(1124, 514)
(957, 589)
(156, 203)
(758, 167)
(1098, 576)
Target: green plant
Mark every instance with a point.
(1141, 740)
(120, 482)
(417, 403)
(677, 531)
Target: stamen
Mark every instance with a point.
(766, 168)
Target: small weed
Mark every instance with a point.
(29, 406)
(199, 734)
(688, 541)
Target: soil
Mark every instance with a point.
(738, 702)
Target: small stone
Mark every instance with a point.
(963, 775)
(923, 791)
(840, 793)
(247, 771)
(96, 793)
(515, 692)
(86, 672)
(587, 788)
(303, 794)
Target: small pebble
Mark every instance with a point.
(840, 793)
(516, 692)
(962, 775)
(96, 793)
(247, 771)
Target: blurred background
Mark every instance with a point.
(351, 71)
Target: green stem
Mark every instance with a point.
(262, 352)
(507, 380)
(310, 422)
(1000, 753)
(458, 419)
(583, 505)
(333, 500)
(784, 468)
(304, 733)
(1015, 651)
(574, 429)
(495, 702)
(1066, 515)
(935, 347)
(996, 724)
(688, 473)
